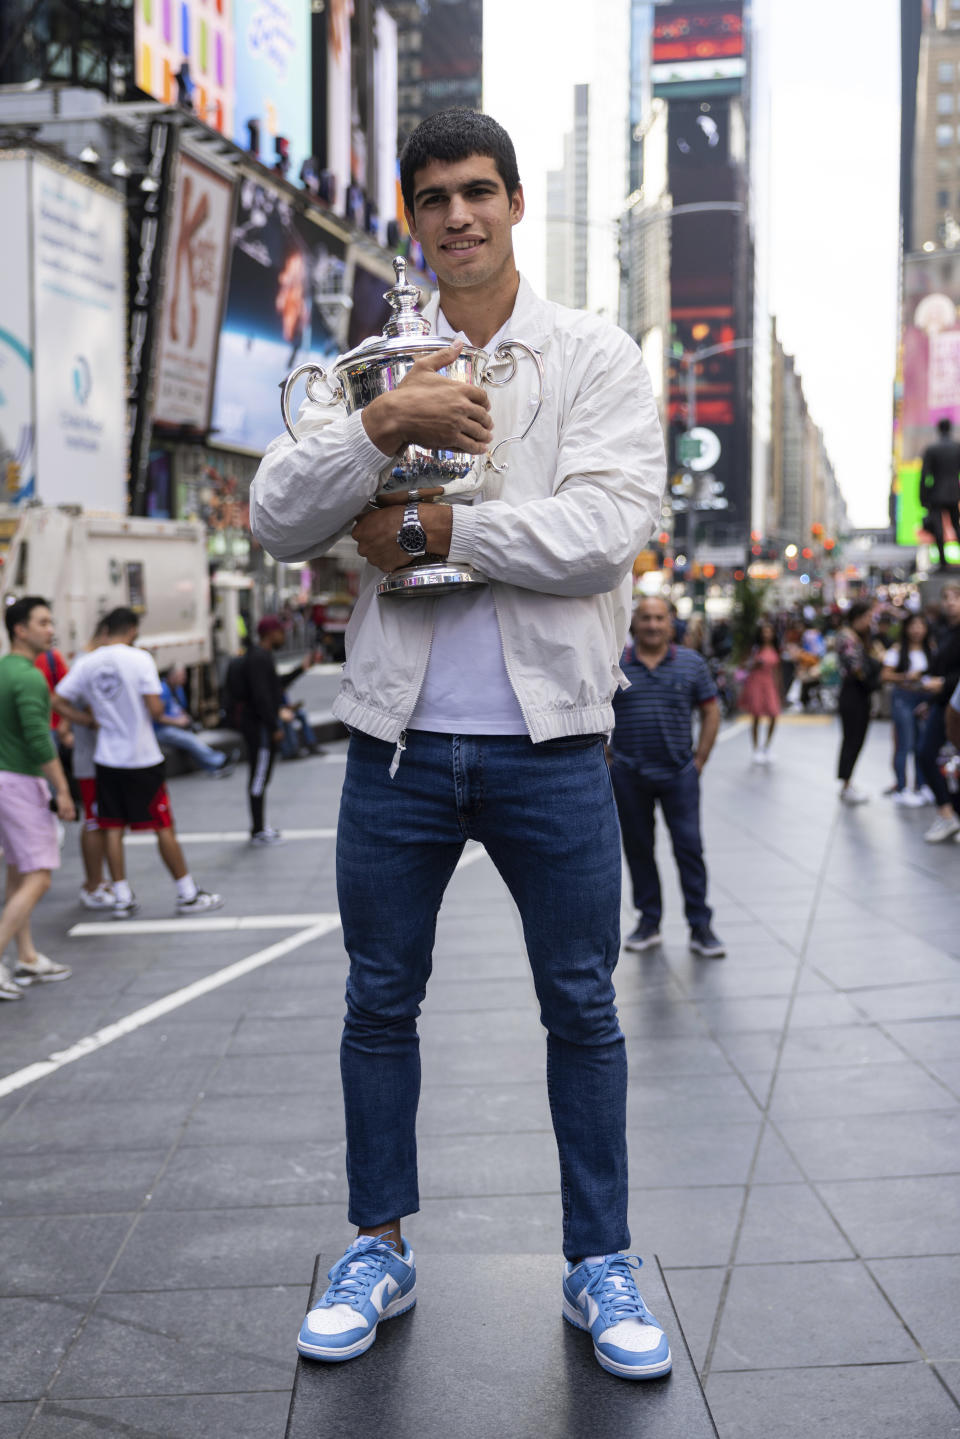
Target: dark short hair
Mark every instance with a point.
(858, 609)
(456, 135)
(944, 426)
(120, 621)
(20, 611)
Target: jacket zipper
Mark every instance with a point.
(506, 661)
(402, 738)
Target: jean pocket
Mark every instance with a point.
(570, 742)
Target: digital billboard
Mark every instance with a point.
(198, 33)
(197, 253)
(273, 60)
(17, 428)
(930, 331)
(698, 49)
(285, 305)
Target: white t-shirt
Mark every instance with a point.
(112, 681)
(84, 743)
(917, 662)
(466, 689)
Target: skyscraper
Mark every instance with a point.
(440, 44)
(567, 211)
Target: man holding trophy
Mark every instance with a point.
(499, 461)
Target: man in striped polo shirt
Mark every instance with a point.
(653, 759)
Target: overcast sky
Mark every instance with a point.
(832, 189)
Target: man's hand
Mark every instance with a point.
(66, 809)
(431, 410)
(376, 535)
(286, 714)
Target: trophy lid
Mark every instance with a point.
(403, 300)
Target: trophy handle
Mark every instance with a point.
(503, 352)
(315, 375)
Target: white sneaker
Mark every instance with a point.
(903, 797)
(853, 796)
(926, 794)
(266, 836)
(100, 898)
(124, 908)
(201, 903)
(45, 971)
(942, 829)
(8, 988)
(757, 757)
(767, 757)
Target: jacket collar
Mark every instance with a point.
(532, 319)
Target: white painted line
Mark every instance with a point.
(231, 836)
(179, 997)
(94, 1042)
(208, 923)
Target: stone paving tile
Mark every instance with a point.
(924, 1293)
(876, 1401)
(787, 1222)
(186, 1342)
(235, 1176)
(13, 1419)
(870, 1146)
(214, 1416)
(851, 1323)
(887, 1217)
(43, 1127)
(267, 1118)
(70, 1255)
(38, 1331)
(693, 1154)
(103, 1182)
(868, 1089)
(927, 1039)
(696, 1296)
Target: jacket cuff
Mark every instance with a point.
(463, 537)
(361, 451)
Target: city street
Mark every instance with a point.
(166, 1183)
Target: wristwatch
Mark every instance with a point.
(411, 536)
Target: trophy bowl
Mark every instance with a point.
(417, 474)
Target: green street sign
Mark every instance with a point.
(688, 449)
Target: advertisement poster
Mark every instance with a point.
(272, 50)
(285, 305)
(17, 452)
(171, 33)
(197, 254)
(79, 264)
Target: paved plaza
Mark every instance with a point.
(165, 1185)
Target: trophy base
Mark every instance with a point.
(435, 579)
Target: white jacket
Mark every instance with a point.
(556, 535)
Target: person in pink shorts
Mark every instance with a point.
(28, 759)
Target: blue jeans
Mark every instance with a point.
(296, 732)
(546, 817)
(680, 802)
(907, 729)
(177, 738)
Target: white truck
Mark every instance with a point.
(86, 564)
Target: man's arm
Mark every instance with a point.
(155, 706)
(952, 718)
(709, 729)
(72, 712)
(583, 539)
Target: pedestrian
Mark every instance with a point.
(940, 486)
(175, 727)
(96, 891)
(28, 761)
(904, 666)
(860, 666)
(653, 762)
(760, 692)
(938, 686)
(119, 685)
(481, 716)
(256, 707)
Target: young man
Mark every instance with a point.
(95, 892)
(653, 760)
(175, 728)
(256, 692)
(120, 686)
(28, 759)
(481, 716)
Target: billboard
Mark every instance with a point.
(197, 254)
(62, 337)
(285, 305)
(198, 33)
(17, 428)
(272, 54)
(930, 331)
(698, 49)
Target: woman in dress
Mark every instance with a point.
(760, 695)
(904, 666)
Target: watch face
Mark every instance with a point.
(413, 539)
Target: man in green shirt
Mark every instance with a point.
(28, 759)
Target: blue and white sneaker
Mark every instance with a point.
(603, 1298)
(371, 1282)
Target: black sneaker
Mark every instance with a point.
(704, 941)
(645, 936)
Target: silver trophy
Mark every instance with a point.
(416, 474)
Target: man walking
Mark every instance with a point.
(28, 759)
(120, 686)
(653, 761)
(481, 716)
(258, 710)
(940, 485)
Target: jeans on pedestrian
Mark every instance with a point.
(907, 729)
(193, 745)
(546, 816)
(679, 799)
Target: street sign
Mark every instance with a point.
(689, 448)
